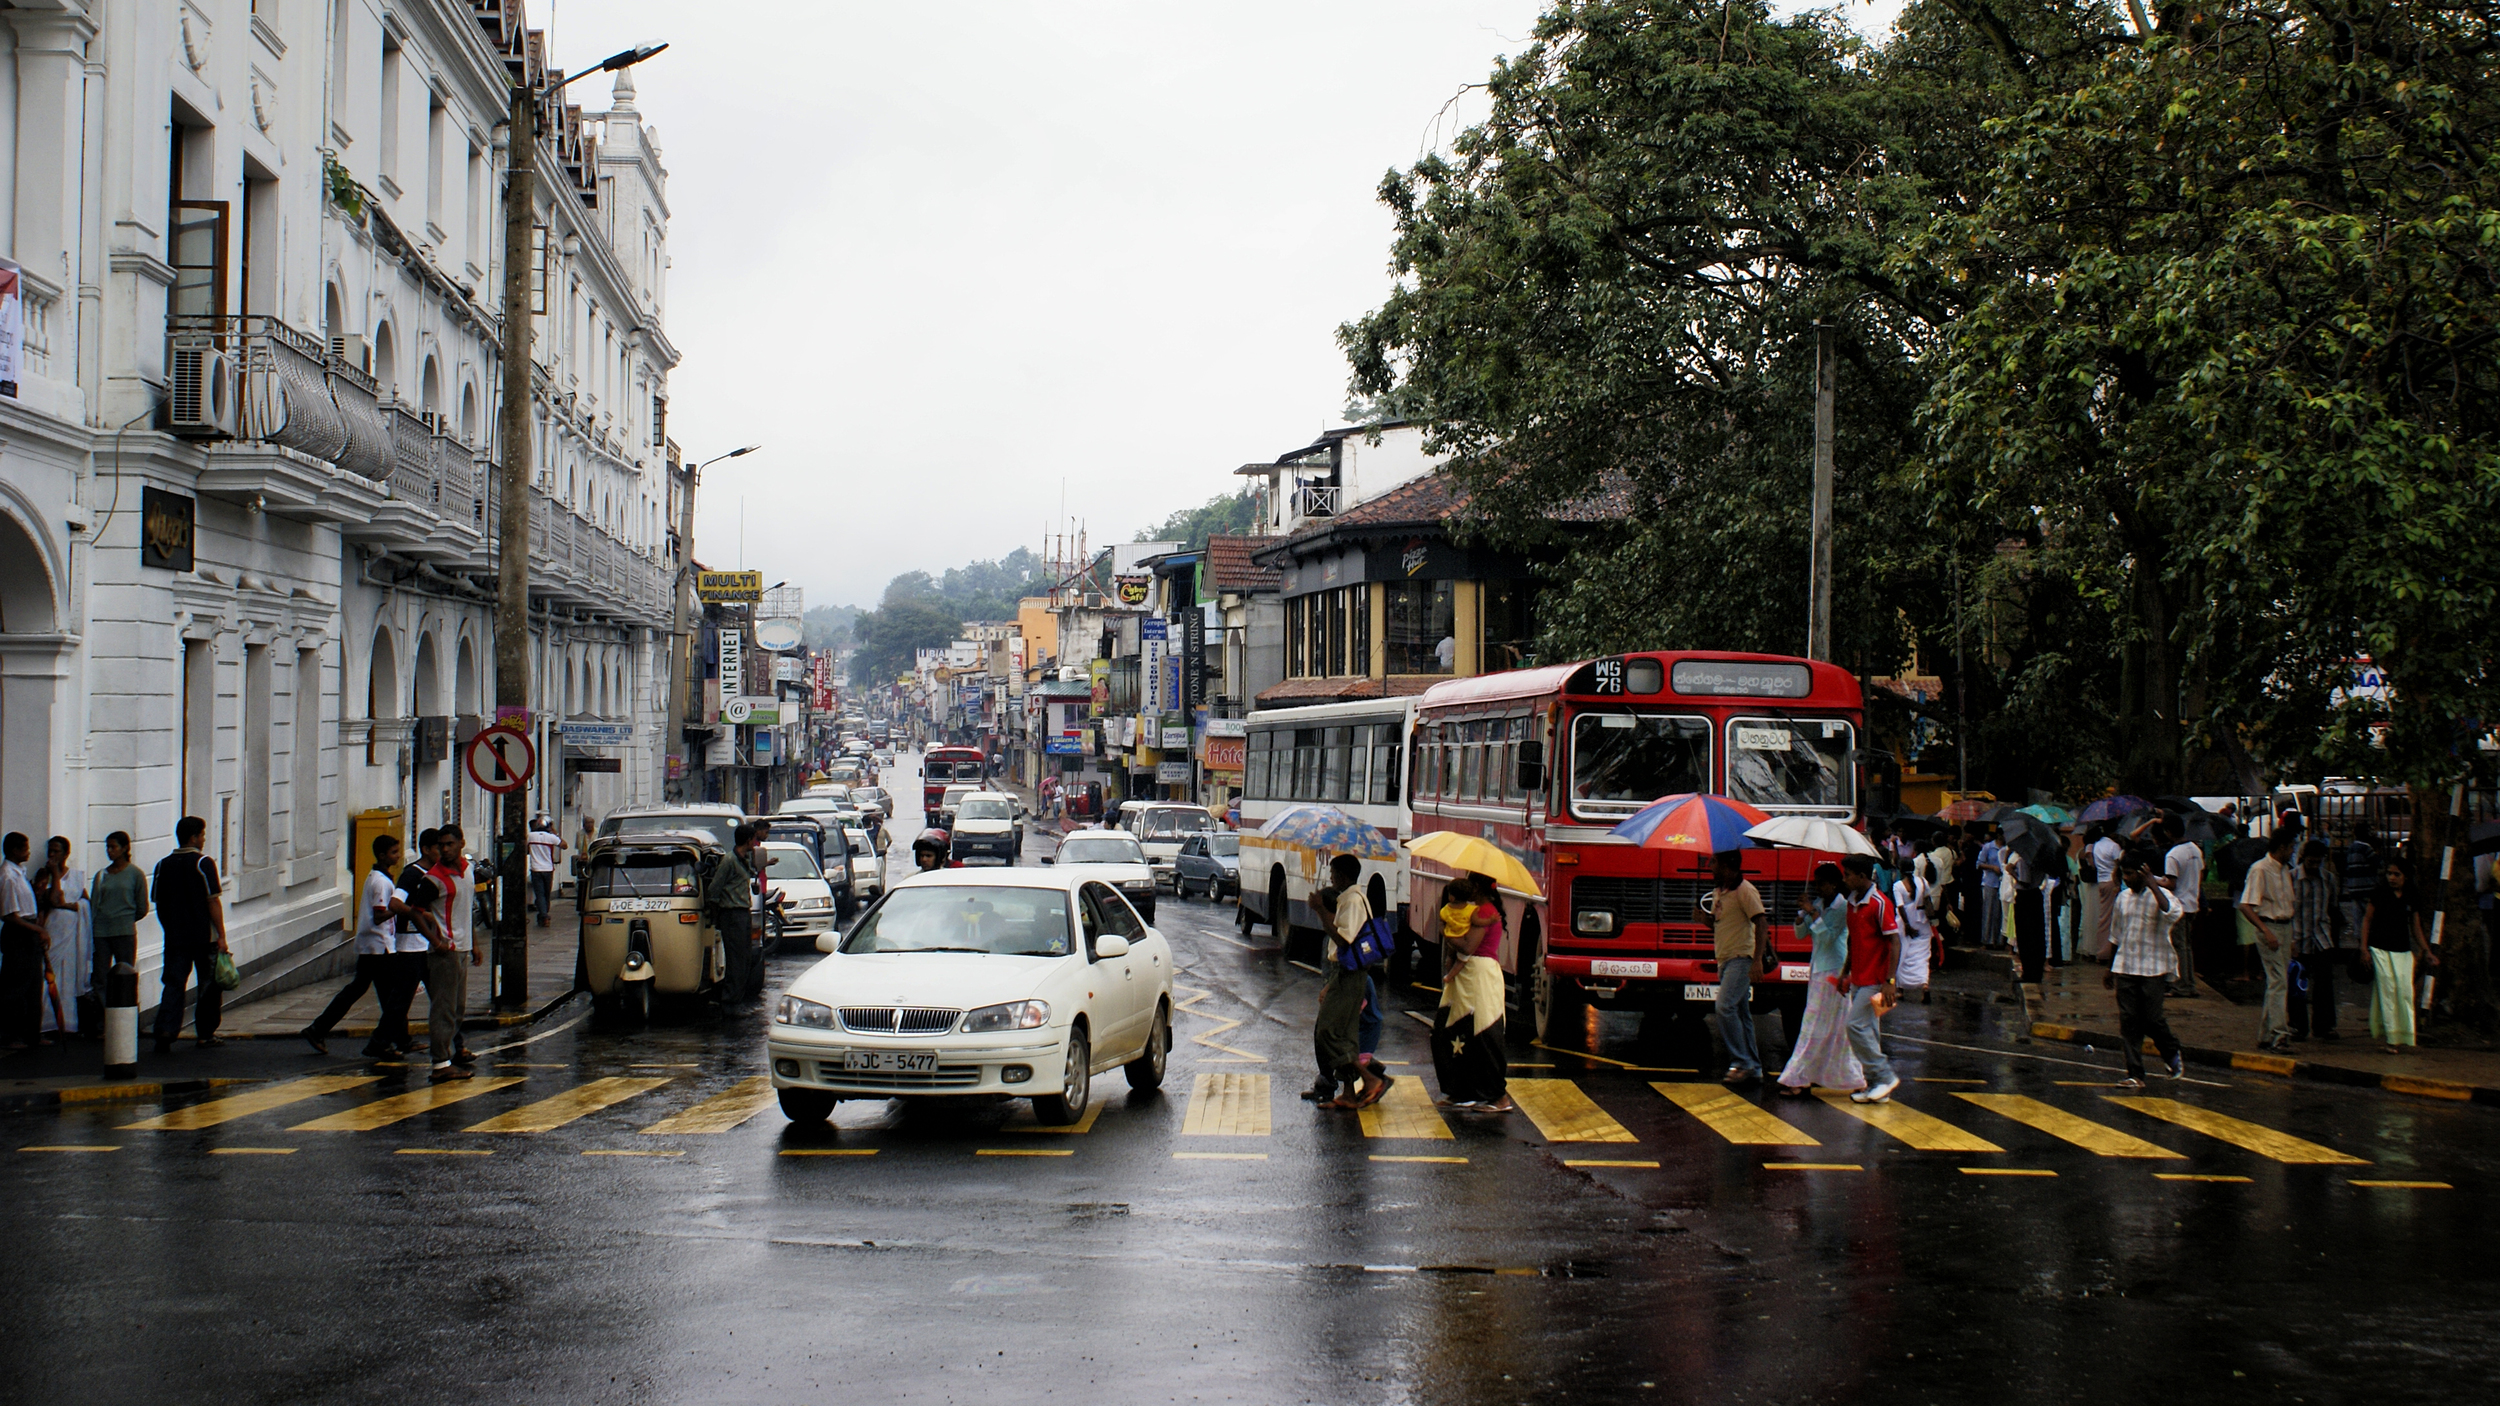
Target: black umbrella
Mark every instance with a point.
(2032, 838)
(2180, 805)
(1998, 814)
(1916, 827)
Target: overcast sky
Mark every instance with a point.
(950, 272)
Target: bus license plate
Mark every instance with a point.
(891, 1061)
(1795, 971)
(1603, 968)
(1695, 991)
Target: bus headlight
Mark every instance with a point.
(1594, 921)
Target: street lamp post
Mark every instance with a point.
(680, 651)
(512, 591)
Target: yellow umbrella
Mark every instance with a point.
(1482, 856)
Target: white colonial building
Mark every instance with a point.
(247, 507)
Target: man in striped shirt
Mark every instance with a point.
(2141, 967)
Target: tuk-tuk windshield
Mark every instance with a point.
(641, 876)
(704, 823)
(1009, 922)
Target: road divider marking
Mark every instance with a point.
(2408, 1185)
(549, 1114)
(2057, 1123)
(383, 1112)
(723, 1111)
(1604, 1162)
(1405, 1111)
(1601, 1059)
(1227, 1105)
(664, 1066)
(2007, 1172)
(1564, 1114)
(446, 1152)
(2264, 1141)
(1924, 1079)
(1812, 1167)
(633, 1152)
(1222, 1024)
(828, 1152)
(1024, 1152)
(1922, 1131)
(73, 1147)
(1024, 1121)
(1447, 1161)
(243, 1105)
(1219, 1156)
(2197, 1176)
(251, 1151)
(1733, 1118)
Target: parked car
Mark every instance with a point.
(979, 983)
(807, 901)
(1209, 864)
(1113, 856)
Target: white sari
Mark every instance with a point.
(71, 947)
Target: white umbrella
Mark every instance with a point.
(1812, 832)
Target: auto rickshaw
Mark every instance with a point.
(644, 932)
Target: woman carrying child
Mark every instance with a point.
(1467, 1052)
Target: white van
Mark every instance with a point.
(1161, 826)
(988, 825)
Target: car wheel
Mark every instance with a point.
(806, 1105)
(1241, 916)
(1076, 1086)
(1277, 898)
(1146, 1071)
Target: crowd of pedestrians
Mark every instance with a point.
(416, 929)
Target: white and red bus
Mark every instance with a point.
(1352, 756)
(1546, 761)
(941, 767)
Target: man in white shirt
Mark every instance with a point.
(2183, 873)
(2140, 920)
(22, 940)
(2106, 852)
(2267, 902)
(377, 922)
(544, 844)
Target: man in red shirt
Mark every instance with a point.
(1874, 955)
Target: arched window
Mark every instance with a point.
(430, 389)
(333, 315)
(468, 415)
(385, 362)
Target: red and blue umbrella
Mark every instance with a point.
(1328, 831)
(1692, 824)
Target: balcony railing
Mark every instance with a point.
(1317, 500)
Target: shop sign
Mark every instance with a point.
(1128, 590)
(729, 587)
(1228, 727)
(1063, 746)
(1172, 771)
(166, 529)
(1175, 737)
(598, 734)
(733, 661)
(1226, 753)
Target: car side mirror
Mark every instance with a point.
(829, 942)
(1531, 767)
(1110, 944)
(1050, 859)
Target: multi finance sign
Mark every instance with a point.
(729, 587)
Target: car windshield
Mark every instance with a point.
(1225, 846)
(790, 862)
(873, 795)
(1101, 849)
(956, 793)
(985, 809)
(1010, 922)
(1786, 763)
(1621, 762)
(642, 876)
(719, 827)
(858, 838)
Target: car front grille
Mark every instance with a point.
(948, 1076)
(898, 1020)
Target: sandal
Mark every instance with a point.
(1367, 1100)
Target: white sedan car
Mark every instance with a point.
(1016, 982)
(807, 900)
(1114, 857)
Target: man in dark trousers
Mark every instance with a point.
(419, 906)
(377, 913)
(731, 897)
(22, 944)
(191, 908)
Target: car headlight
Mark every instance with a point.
(1137, 885)
(808, 1014)
(1595, 920)
(1014, 1015)
(814, 905)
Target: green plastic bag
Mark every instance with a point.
(227, 977)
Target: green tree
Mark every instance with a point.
(1225, 513)
(891, 637)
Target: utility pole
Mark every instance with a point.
(512, 589)
(1819, 611)
(1961, 687)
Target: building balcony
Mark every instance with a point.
(1312, 500)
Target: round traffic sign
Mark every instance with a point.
(501, 759)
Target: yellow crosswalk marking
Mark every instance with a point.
(1604, 1162)
(250, 1151)
(1564, 1114)
(383, 1112)
(2057, 1123)
(723, 1111)
(1405, 1111)
(1458, 1161)
(446, 1152)
(1023, 1152)
(2409, 1185)
(552, 1113)
(2197, 1176)
(75, 1147)
(828, 1152)
(244, 1105)
(1812, 1167)
(1227, 1105)
(1219, 1156)
(1733, 1118)
(1919, 1130)
(2264, 1141)
(2007, 1172)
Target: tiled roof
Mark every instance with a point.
(1435, 498)
(1229, 567)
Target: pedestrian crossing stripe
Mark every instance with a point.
(550, 1113)
(1922, 1131)
(2007, 1172)
(2057, 1123)
(216, 1111)
(383, 1112)
(723, 1111)
(1564, 1114)
(1227, 1105)
(1734, 1118)
(2265, 1142)
(1405, 1111)
(251, 1151)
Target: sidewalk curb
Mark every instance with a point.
(132, 1092)
(2288, 1067)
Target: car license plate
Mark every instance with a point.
(891, 1061)
(638, 905)
(1602, 968)
(1695, 991)
(1795, 971)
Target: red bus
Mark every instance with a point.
(941, 767)
(1546, 761)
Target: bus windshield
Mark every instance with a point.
(1622, 761)
(1787, 763)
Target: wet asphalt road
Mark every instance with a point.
(258, 1260)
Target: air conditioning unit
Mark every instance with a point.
(1091, 600)
(350, 347)
(203, 402)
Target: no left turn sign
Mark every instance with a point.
(501, 759)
